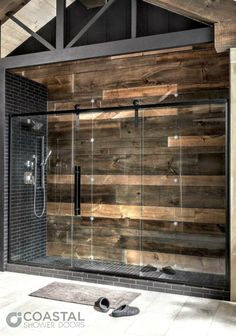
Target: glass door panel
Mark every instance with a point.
(184, 225)
(60, 196)
(161, 189)
(108, 152)
(203, 159)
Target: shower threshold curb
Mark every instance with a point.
(119, 281)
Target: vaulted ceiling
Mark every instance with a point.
(37, 13)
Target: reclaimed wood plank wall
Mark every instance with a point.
(179, 176)
(190, 72)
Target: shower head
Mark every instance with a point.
(32, 124)
(36, 125)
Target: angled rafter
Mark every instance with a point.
(31, 32)
(91, 23)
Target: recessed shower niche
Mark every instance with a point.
(123, 193)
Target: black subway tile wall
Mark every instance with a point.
(28, 233)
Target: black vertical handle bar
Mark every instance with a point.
(77, 190)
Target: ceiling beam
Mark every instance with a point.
(220, 13)
(140, 44)
(225, 35)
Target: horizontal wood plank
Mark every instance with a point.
(139, 92)
(211, 216)
(217, 181)
(159, 90)
(196, 141)
(108, 226)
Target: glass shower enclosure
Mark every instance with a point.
(133, 191)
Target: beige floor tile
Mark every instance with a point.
(107, 326)
(167, 304)
(151, 324)
(226, 313)
(173, 331)
(222, 329)
(195, 317)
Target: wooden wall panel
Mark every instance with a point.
(149, 76)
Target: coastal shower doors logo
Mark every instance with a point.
(46, 320)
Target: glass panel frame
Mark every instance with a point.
(121, 272)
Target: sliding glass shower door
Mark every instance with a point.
(107, 152)
(130, 192)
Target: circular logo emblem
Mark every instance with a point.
(14, 319)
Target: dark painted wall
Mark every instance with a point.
(114, 25)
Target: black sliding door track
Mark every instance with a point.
(129, 107)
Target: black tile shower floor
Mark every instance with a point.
(119, 269)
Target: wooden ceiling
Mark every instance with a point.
(33, 14)
(10, 6)
(15, 5)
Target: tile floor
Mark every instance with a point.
(161, 314)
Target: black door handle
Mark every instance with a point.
(77, 190)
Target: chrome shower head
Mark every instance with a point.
(32, 124)
(36, 125)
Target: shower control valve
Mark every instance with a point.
(28, 178)
(29, 165)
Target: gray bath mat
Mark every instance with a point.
(87, 295)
